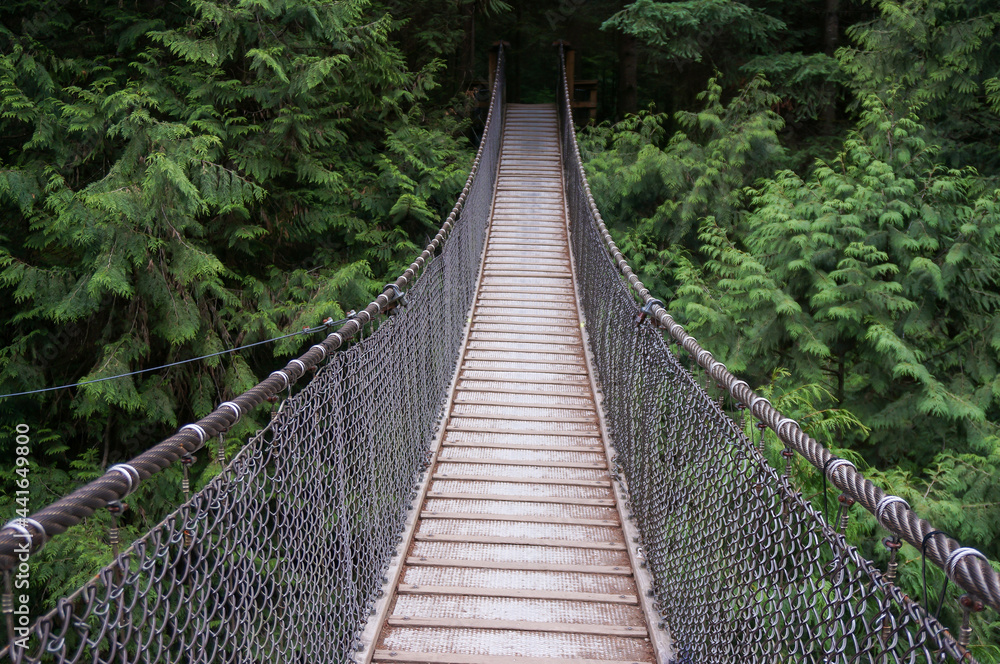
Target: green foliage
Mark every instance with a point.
(683, 31)
(938, 58)
(663, 191)
(802, 81)
(182, 178)
(860, 293)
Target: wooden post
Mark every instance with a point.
(570, 54)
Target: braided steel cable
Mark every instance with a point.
(65, 513)
(663, 424)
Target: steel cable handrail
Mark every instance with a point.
(967, 567)
(123, 479)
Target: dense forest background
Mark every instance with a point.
(812, 186)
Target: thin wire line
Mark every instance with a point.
(174, 364)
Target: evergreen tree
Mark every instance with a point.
(180, 178)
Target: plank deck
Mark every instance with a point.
(518, 553)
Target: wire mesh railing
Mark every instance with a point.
(281, 557)
(744, 568)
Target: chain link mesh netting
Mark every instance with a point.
(744, 568)
(281, 557)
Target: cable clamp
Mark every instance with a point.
(202, 434)
(753, 404)
(233, 406)
(283, 375)
(955, 556)
(18, 525)
(301, 365)
(883, 504)
(322, 348)
(37, 526)
(783, 422)
(398, 295)
(130, 474)
(647, 310)
(835, 464)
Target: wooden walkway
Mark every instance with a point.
(518, 553)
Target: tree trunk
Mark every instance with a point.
(628, 83)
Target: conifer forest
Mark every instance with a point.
(812, 188)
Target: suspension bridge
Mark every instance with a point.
(514, 467)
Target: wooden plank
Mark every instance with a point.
(518, 296)
(522, 381)
(526, 327)
(525, 432)
(617, 570)
(455, 658)
(486, 402)
(498, 479)
(519, 593)
(521, 320)
(566, 370)
(520, 518)
(565, 339)
(560, 290)
(553, 349)
(551, 500)
(490, 271)
(526, 418)
(516, 390)
(637, 631)
(585, 465)
(564, 366)
(525, 447)
(520, 304)
(553, 317)
(520, 258)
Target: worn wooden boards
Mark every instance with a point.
(518, 552)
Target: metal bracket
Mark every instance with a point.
(646, 310)
(398, 299)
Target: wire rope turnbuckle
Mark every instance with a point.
(398, 299)
(647, 310)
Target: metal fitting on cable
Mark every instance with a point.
(186, 462)
(399, 296)
(970, 603)
(198, 429)
(116, 508)
(647, 310)
(845, 511)
(951, 564)
(835, 464)
(220, 453)
(893, 544)
(883, 504)
(130, 474)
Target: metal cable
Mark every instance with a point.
(743, 566)
(280, 557)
